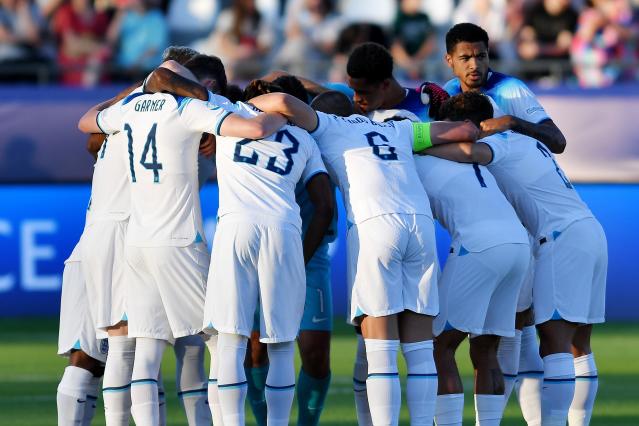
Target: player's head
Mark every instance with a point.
(370, 73)
(234, 93)
(333, 102)
(472, 106)
(179, 54)
(256, 88)
(467, 54)
(209, 70)
(293, 86)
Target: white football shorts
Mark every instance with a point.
(392, 266)
(77, 331)
(478, 290)
(166, 290)
(525, 300)
(255, 263)
(103, 262)
(570, 274)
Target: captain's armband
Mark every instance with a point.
(421, 137)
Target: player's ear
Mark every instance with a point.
(449, 60)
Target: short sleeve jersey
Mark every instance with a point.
(511, 95)
(466, 200)
(160, 144)
(257, 178)
(372, 163)
(533, 182)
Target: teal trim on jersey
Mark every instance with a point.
(77, 345)
(462, 251)
(124, 317)
(131, 97)
(555, 234)
(198, 239)
(448, 326)
(316, 125)
(358, 312)
(210, 325)
(97, 121)
(182, 103)
(219, 123)
(556, 316)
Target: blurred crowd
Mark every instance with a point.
(88, 42)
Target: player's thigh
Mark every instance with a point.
(318, 304)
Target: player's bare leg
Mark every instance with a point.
(116, 387)
(381, 336)
(559, 371)
(450, 393)
(489, 381)
(256, 369)
(416, 337)
(315, 374)
(586, 378)
(77, 391)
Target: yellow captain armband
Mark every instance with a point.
(421, 136)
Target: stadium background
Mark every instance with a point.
(50, 74)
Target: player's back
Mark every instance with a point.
(533, 182)
(466, 200)
(257, 178)
(372, 163)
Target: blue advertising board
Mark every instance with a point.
(40, 224)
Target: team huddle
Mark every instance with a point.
(527, 258)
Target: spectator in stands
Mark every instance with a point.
(311, 30)
(242, 39)
(414, 38)
(547, 33)
(139, 34)
(21, 27)
(82, 52)
(604, 47)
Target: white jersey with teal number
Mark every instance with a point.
(257, 178)
(161, 141)
(372, 163)
(467, 201)
(533, 182)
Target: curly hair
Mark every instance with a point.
(370, 61)
(473, 106)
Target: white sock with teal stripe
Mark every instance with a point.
(280, 383)
(360, 372)
(214, 400)
(72, 395)
(145, 407)
(421, 383)
(382, 384)
(116, 385)
(231, 380)
(586, 384)
(558, 389)
(93, 390)
(191, 380)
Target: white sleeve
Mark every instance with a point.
(314, 164)
(520, 101)
(324, 122)
(110, 120)
(498, 144)
(200, 116)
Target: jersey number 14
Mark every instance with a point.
(150, 144)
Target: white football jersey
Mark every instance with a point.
(533, 182)
(257, 178)
(372, 163)
(161, 135)
(467, 201)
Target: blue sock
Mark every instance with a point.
(311, 394)
(256, 378)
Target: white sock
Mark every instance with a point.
(93, 390)
(191, 380)
(421, 383)
(508, 357)
(145, 407)
(382, 383)
(488, 409)
(72, 395)
(161, 400)
(231, 381)
(280, 383)
(586, 384)
(530, 376)
(558, 389)
(360, 372)
(449, 409)
(116, 385)
(214, 400)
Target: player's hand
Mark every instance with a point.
(437, 96)
(207, 145)
(496, 125)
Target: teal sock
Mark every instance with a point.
(311, 394)
(256, 378)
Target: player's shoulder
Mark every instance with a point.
(500, 83)
(453, 86)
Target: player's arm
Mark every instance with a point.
(323, 198)
(94, 143)
(546, 131)
(257, 127)
(172, 77)
(426, 135)
(464, 152)
(290, 107)
(88, 122)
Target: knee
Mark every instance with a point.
(81, 360)
(315, 360)
(483, 350)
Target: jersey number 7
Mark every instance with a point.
(150, 143)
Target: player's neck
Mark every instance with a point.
(396, 94)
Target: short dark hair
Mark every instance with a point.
(370, 61)
(333, 102)
(203, 66)
(256, 88)
(292, 86)
(465, 32)
(234, 93)
(473, 106)
(179, 54)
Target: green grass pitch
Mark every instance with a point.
(30, 371)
